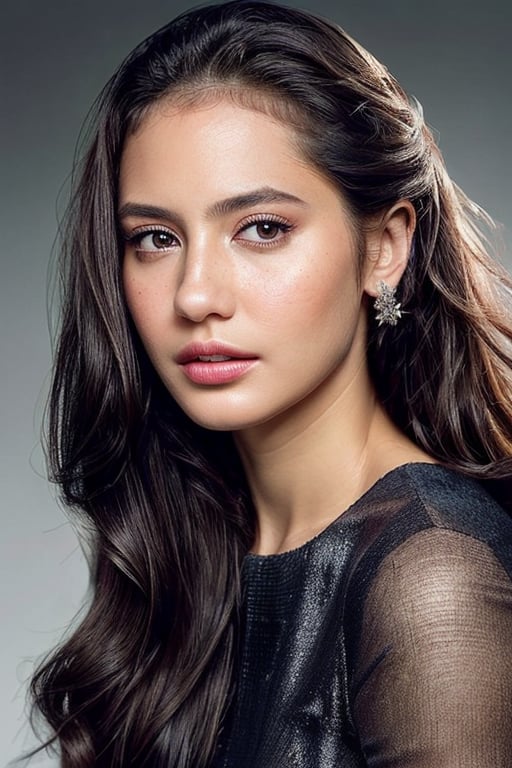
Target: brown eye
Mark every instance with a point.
(264, 232)
(151, 240)
(159, 239)
(267, 230)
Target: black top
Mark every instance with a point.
(386, 640)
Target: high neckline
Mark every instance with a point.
(347, 513)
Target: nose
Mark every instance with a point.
(205, 284)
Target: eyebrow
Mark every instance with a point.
(255, 197)
(221, 208)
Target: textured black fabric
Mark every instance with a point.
(385, 641)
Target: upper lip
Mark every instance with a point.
(193, 351)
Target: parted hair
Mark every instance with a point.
(146, 677)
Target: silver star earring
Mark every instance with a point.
(388, 309)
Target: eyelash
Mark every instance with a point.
(135, 238)
(283, 225)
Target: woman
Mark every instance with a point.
(282, 397)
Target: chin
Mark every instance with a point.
(221, 411)
(215, 423)
(224, 419)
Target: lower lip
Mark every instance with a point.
(217, 373)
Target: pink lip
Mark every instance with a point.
(214, 372)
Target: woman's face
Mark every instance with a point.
(240, 266)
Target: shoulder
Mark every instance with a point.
(431, 539)
(452, 499)
(417, 498)
(455, 504)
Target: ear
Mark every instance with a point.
(388, 245)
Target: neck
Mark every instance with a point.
(309, 465)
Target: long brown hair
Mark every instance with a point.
(146, 677)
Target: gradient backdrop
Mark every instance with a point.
(454, 56)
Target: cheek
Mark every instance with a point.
(134, 297)
(146, 306)
(318, 289)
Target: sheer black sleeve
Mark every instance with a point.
(432, 682)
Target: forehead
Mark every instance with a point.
(215, 144)
(207, 115)
(206, 95)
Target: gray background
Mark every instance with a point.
(55, 56)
